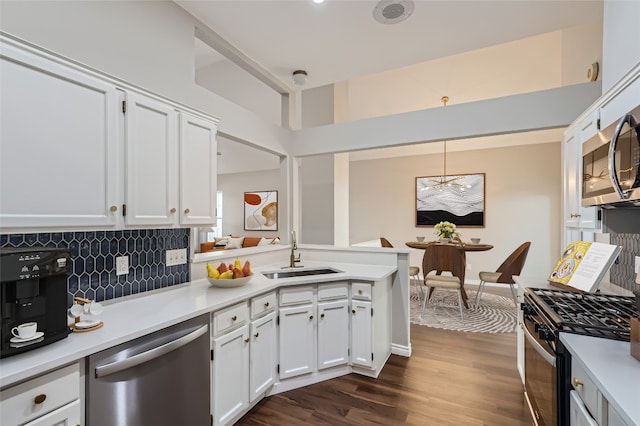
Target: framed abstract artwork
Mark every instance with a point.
(458, 199)
(261, 211)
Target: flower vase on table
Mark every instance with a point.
(445, 231)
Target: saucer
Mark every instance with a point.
(28, 339)
(86, 324)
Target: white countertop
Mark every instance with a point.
(135, 316)
(612, 368)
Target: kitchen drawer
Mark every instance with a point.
(587, 390)
(333, 291)
(361, 291)
(263, 303)
(229, 318)
(55, 389)
(296, 295)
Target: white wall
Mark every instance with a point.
(146, 43)
(317, 200)
(317, 106)
(620, 39)
(522, 202)
(233, 187)
(531, 64)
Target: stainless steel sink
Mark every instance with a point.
(300, 273)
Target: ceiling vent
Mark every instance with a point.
(393, 11)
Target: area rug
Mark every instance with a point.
(496, 314)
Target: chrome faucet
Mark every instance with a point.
(294, 246)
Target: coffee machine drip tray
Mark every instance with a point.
(33, 289)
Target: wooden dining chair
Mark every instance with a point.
(441, 258)
(414, 271)
(504, 274)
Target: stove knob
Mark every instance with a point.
(544, 333)
(527, 309)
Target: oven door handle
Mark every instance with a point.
(532, 341)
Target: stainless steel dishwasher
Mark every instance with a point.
(159, 379)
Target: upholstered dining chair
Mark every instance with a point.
(504, 274)
(414, 271)
(443, 258)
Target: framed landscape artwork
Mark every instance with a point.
(458, 199)
(261, 211)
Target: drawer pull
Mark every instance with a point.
(256, 335)
(353, 311)
(577, 383)
(266, 305)
(173, 210)
(360, 291)
(40, 398)
(113, 209)
(187, 211)
(310, 317)
(321, 315)
(246, 340)
(233, 318)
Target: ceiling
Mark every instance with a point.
(339, 40)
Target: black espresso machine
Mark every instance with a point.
(33, 288)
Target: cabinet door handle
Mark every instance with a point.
(256, 335)
(310, 317)
(39, 399)
(173, 210)
(360, 291)
(114, 209)
(187, 211)
(576, 382)
(233, 318)
(246, 340)
(353, 311)
(321, 315)
(266, 305)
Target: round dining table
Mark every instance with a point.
(462, 246)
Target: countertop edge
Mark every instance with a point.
(163, 309)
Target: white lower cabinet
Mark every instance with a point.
(333, 333)
(48, 400)
(297, 340)
(68, 415)
(244, 357)
(262, 355)
(361, 329)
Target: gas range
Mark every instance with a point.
(590, 314)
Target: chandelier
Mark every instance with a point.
(443, 182)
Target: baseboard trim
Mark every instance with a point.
(401, 350)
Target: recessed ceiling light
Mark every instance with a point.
(318, 1)
(393, 11)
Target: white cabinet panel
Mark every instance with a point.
(69, 415)
(297, 341)
(230, 375)
(361, 337)
(198, 170)
(59, 144)
(263, 355)
(151, 158)
(578, 414)
(333, 333)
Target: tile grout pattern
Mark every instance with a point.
(93, 273)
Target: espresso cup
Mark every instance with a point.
(26, 330)
(475, 240)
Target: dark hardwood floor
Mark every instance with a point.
(452, 378)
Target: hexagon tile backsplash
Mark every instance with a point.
(94, 259)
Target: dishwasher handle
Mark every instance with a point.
(143, 357)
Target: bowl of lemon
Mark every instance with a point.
(229, 275)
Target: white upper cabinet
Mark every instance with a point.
(58, 144)
(198, 170)
(151, 129)
(77, 148)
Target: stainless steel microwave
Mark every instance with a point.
(611, 164)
